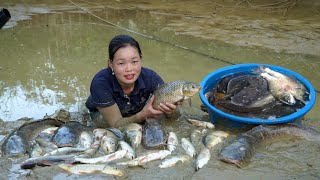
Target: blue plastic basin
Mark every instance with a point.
(218, 116)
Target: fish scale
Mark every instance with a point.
(175, 91)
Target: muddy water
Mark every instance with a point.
(50, 52)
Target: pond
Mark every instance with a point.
(50, 53)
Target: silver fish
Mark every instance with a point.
(202, 158)
(46, 161)
(133, 134)
(86, 139)
(199, 123)
(103, 159)
(154, 156)
(170, 162)
(65, 151)
(36, 150)
(130, 152)
(91, 168)
(172, 142)
(145, 158)
(109, 143)
(188, 147)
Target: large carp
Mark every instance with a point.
(240, 151)
(175, 91)
(19, 141)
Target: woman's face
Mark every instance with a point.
(126, 65)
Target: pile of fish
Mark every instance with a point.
(260, 93)
(80, 149)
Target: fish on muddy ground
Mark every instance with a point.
(86, 139)
(200, 123)
(175, 91)
(154, 156)
(241, 150)
(102, 159)
(154, 134)
(47, 146)
(46, 161)
(188, 147)
(202, 158)
(69, 133)
(133, 134)
(214, 138)
(130, 152)
(36, 150)
(109, 143)
(65, 151)
(146, 157)
(172, 161)
(92, 150)
(18, 141)
(91, 168)
(172, 142)
(285, 88)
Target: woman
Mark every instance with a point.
(120, 92)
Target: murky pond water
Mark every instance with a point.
(50, 52)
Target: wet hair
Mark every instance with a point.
(122, 41)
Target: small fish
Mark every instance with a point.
(175, 91)
(47, 146)
(109, 143)
(65, 151)
(170, 162)
(130, 152)
(188, 147)
(213, 138)
(199, 123)
(36, 150)
(154, 156)
(202, 158)
(46, 161)
(172, 141)
(99, 133)
(86, 139)
(93, 148)
(145, 158)
(103, 159)
(133, 134)
(91, 168)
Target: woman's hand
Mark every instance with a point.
(148, 111)
(167, 108)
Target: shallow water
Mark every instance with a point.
(50, 52)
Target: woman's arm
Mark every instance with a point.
(113, 116)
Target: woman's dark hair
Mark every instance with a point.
(122, 41)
